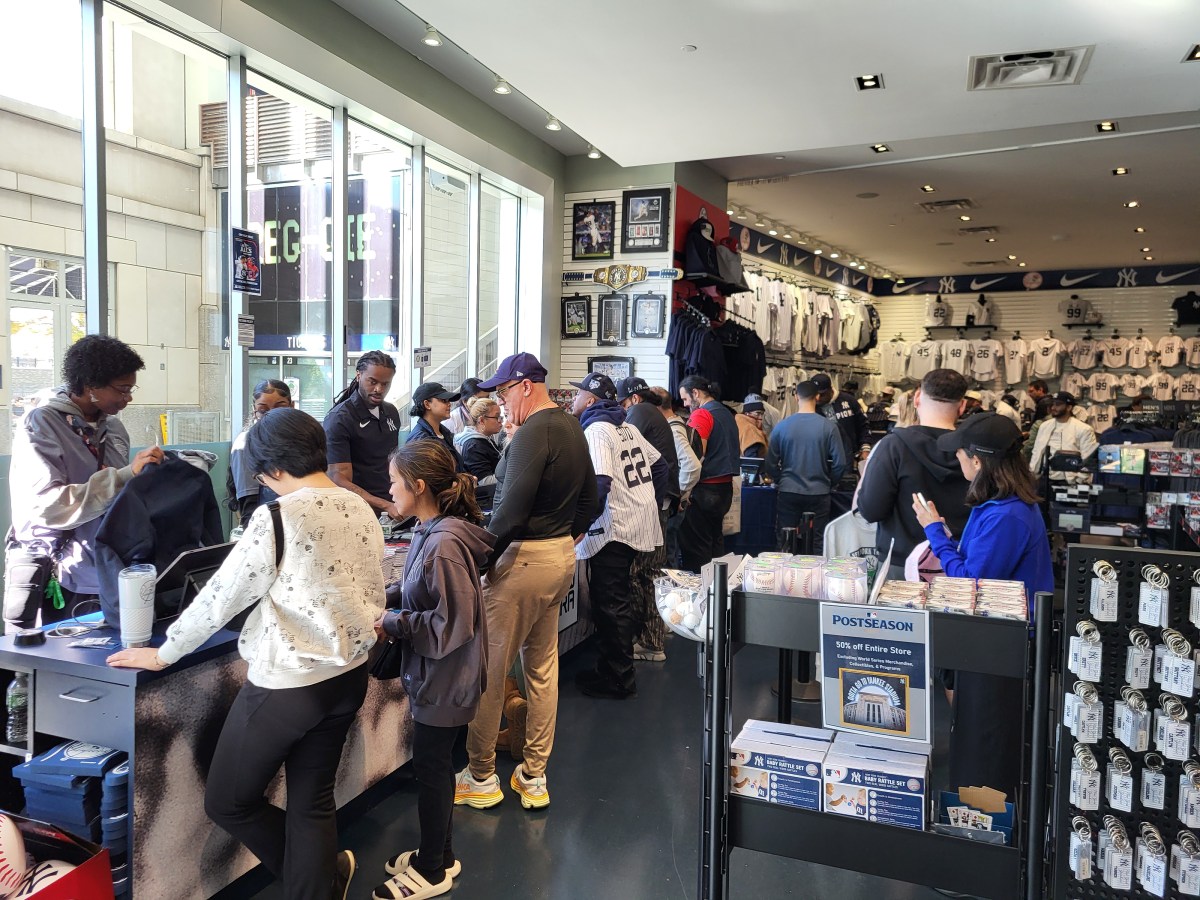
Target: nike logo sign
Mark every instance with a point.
(1071, 282)
(1167, 279)
(907, 287)
(977, 285)
(364, 424)
(763, 248)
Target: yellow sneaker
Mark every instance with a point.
(477, 794)
(532, 791)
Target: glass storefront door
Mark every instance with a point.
(310, 378)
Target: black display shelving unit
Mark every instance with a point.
(967, 643)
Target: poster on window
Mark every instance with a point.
(247, 275)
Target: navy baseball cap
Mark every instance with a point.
(627, 387)
(987, 433)
(595, 383)
(822, 381)
(431, 390)
(518, 367)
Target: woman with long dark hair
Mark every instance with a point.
(1004, 539)
(437, 614)
(245, 493)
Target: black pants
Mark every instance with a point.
(302, 729)
(790, 509)
(700, 534)
(610, 585)
(433, 765)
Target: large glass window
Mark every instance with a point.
(379, 253)
(444, 317)
(499, 237)
(167, 148)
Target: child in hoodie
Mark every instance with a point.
(439, 617)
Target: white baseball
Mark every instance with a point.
(12, 854)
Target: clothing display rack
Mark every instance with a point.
(967, 643)
(1114, 638)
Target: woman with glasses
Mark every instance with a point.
(477, 447)
(70, 460)
(245, 494)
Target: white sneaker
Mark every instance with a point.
(532, 791)
(477, 794)
(648, 655)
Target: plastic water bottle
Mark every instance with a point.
(17, 700)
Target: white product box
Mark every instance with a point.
(787, 773)
(877, 784)
(777, 732)
(853, 742)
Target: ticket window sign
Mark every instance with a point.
(875, 671)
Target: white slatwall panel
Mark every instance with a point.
(1034, 313)
(649, 354)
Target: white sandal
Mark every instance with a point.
(404, 861)
(411, 885)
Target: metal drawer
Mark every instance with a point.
(84, 709)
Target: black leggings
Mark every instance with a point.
(302, 729)
(433, 766)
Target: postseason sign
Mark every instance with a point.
(875, 670)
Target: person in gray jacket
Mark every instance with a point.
(70, 460)
(442, 627)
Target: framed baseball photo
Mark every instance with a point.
(649, 312)
(615, 367)
(592, 230)
(577, 316)
(613, 313)
(646, 214)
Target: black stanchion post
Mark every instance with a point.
(806, 540)
(784, 711)
(1035, 836)
(714, 815)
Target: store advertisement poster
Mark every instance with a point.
(247, 262)
(875, 671)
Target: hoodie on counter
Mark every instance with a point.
(437, 611)
(904, 463)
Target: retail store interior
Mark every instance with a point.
(957, 244)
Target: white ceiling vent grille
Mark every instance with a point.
(1034, 68)
(934, 206)
(979, 263)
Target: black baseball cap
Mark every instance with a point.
(431, 390)
(822, 381)
(807, 390)
(1063, 397)
(988, 433)
(627, 387)
(518, 367)
(595, 383)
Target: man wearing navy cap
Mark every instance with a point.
(546, 498)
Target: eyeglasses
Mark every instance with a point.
(500, 392)
(126, 391)
(497, 416)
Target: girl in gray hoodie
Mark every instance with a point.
(437, 612)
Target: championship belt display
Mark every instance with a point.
(621, 276)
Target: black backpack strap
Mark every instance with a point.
(277, 522)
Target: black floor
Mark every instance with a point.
(622, 822)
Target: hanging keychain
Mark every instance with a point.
(1151, 861)
(1179, 666)
(1120, 780)
(1084, 713)
(1139, 659)
(1194, 611)
(1131, 719)
(1085, 652)
(1116, 855)
(1085, 779)
(1185, 863)
(1152, 600)
(1189, 795)
(1172, 731)
(1154, 781)
(1080, 858)
(1104, 592)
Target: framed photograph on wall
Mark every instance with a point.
(615, 367)
(592, 230)
(613, 313)
(646, 215)
(577, 316)
(649, 312)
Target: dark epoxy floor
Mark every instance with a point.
(622, 822)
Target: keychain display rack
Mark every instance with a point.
(1115, 617)
(968, 643)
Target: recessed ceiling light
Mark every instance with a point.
(593, 153)
(1145, 249)
(1140, 230)
(881, 148)
(1120, 170)
(833, 255)
(779, 157)
(818, 251)
(1132, 204)
(928, 188)
(964, 218)
(501, 86)
(869, 82)
(1012, 256)
(1193, 55)
(1107, 127)
(1022, 265)
(552, 124)
(432, 38)
(1147, 258)
(772, 232)
(989, 240)
(688, 48)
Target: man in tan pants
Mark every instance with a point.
(547, 497)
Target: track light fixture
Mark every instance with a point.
(432, 38)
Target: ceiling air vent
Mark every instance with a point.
(946, 205)
(979, 263)
(981, 229)
(1034, 68)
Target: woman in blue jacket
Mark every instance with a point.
(1005, 539)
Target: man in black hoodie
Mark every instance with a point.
(908, 462)
(845, 412)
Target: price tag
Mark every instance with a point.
(1085, 788)
(1154, 789)
(1120, 790)
(1138, 663)
(1152, 606)
(1104, 600)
